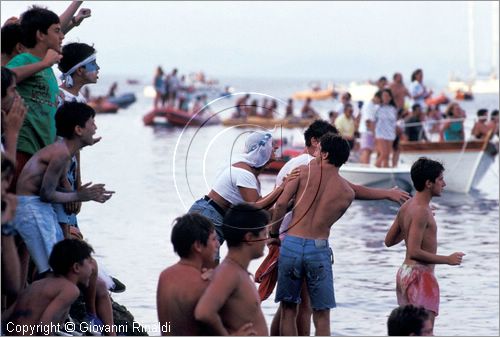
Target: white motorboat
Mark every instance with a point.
(465, 162)
(372, 176)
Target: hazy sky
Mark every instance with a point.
(337, 40)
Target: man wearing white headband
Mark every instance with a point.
(239, 182)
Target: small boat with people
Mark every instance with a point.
(123, 100)
(179, 117)
(268, 123)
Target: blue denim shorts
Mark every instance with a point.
(310, 259)
(202, 207)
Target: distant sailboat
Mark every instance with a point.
(476, 84)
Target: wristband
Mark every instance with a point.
(8, 229)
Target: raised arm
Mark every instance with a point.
(214, 298)
(417, 226)
(367, 193)
(23, 72)
(68, 21)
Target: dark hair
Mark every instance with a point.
(494, 113)
(68, 252)
(415, 73)
(338, 148)
(7, 165)
(74, 53)
(482, 112)
(11, 36)
(241, 219)
(389, 91)
(425, 169)
(415, 107)
(317, 129)
(378, 94)
(36, 19)
(71, 114)
(188, 229)
(405, 320)
(8, 77)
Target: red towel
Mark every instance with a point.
(267, 273)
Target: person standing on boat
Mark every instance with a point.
(385, 128)
(239, 182)
(413, 125)
(493, 123)
(307, 110)
(480, 129)
(418, 91)
(181, 285)
(159, 86)
(367, 127)
(346, 125)
(415, 224)
(399, 91)
(230, 303)
(453, 127)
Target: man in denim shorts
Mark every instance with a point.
(321, 197)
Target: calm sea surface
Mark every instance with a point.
(157, 172)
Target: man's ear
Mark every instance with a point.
(78, 130)
(314, 141)
(428, 184)
(248, 237)
(197, 246)
(75, 268)
(40, 36)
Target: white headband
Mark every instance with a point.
(66, 78)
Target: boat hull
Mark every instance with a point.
(268, 123)
(369, 175)
(464, 162)
(179, 118)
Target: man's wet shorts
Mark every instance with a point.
(309, 258)
(417, 285)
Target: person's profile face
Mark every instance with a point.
(427, 329)
(210, 251)
(54, 37)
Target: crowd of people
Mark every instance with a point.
(46, 264)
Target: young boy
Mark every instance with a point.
(231, 303)
(415, 224)
(38, 182)
(46, 303)
(37, 85)
(181, 285)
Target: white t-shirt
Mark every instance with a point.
(69, 97)
(300, 160)
(416, 88)
(367, 113)
(228, 181)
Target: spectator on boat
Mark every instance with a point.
(367, 127)
(332, 116)
(493, 123)
(385, 128)
(453, 127)
(241, 106)
(112, 89)
(418, 90)
(183, 94)
(480, 129)
(414, 124)
(252, 109)
(346, 98)
(159, 86)
(230, 304)
(307, 110)
(433, 120)
(382, 83)
(240, 182)
(289, 109)
(271, 110)
(45, 303)
(13, 113)
(181, 285)
(173, 87)
(399, 91)
(409, 320)
(346, 126)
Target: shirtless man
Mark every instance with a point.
(181, 285)
(399, 92)
(307, 110)
(415, 224)
(321, 197)
(45, 303)
(37, 187)
(231, 300)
